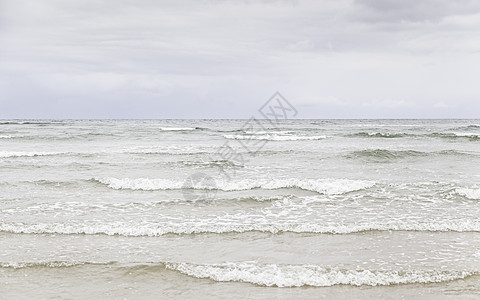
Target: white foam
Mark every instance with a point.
(274, 137)
(469, 135)
(473, 194)
(323, 186)
(236, 224)
(177, 128)
(5, 154)
(309, 275)
(53, 264)
(282, 275)
(170, 149)
(50, 264)
(285, 132)
(145, 184)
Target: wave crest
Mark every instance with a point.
(273, 275)
(379, 135)
(473, 194)
(309, 275)
(6, 154)
(178, 128)
(385, 154)
(456, 136)
(273, 137)
(322, 186)
(235, 225)
(50, 264)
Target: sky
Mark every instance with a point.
(225, 59)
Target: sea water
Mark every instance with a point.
(219, 209)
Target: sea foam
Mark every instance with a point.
(473, 194)
(309, 275)
(177, 128)
(273, 275)
(5, 154)
(323, 186)
(236, 224)
(273, 137)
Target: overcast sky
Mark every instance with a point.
(224, 59)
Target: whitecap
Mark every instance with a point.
(177, 128)
(5, 154)
(323, 186)
(274, 137)
(236, 224)
(310, 275)
(473, 194)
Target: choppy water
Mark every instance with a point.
(183, 208)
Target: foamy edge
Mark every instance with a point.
(233, 226)
(310, 275)
(322, 186)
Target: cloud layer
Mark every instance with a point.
(223, 59)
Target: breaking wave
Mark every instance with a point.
(236, 225)
(274, 137)
(473, 194)
(455, 136)
(309, 275)
(50, 264)
(379, 135)
(322, 186)
(385, 154)
(271, 275)
(451, 136)
(6, 154)
(8, 136)
(468, 127)
(178, 128)
(32, 122)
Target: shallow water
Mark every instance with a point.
(184, 208)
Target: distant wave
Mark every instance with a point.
(135, 150)
(124, 207)
(473, 194)
(31, 122)
(468, 127)
(452, 136)
(457, 135)
(323, 186)
(379, 135)
(53, 183)
(309, 275)
(206, 164)
(384, 154)
(274, 137)
(276, 132)
(188, 151)
(234, 225)
(178, 128)
(146, 151)
(163, 151)
(62, 137)
(5, 154)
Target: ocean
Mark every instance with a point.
(218, 209)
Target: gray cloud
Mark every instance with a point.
(222, 59)
(414, 10)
